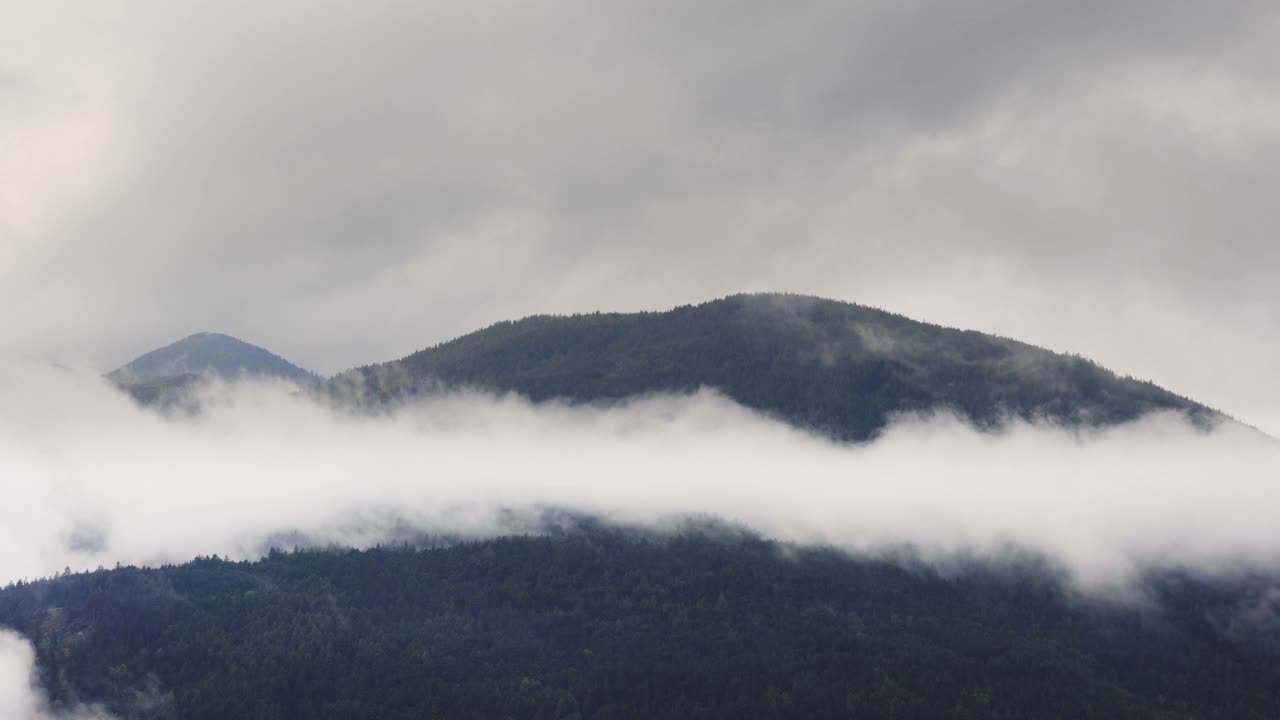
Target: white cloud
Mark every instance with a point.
(94, 480)
(20, 695)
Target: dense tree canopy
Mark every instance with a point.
(598, 623)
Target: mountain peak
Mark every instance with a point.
(208, 353)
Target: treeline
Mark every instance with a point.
(599, 623)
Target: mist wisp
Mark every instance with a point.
(20, 696)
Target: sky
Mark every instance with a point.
(346, 183)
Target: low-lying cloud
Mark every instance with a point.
(91, 479)
(20, 695)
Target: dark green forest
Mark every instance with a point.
(595, 622)
(838, 368)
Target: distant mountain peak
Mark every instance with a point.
(208, 354)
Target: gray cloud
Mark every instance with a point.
(346, 183)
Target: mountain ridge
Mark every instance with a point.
(831, 366)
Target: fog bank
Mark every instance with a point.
(91, 479)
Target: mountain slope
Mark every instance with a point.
(206, 354)
(832, 366)
(602, 624)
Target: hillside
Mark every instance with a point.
(832, 366)
(597, 623)
(170, 369)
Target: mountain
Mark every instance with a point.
(600, 623)
(835, 367)
(583, 620)
(169, 369)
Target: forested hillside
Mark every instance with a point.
(831, 366)
(598, 623)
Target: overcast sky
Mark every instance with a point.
(348, 182)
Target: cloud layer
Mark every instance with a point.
(93, 480)
(345, 183)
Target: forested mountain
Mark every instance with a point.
(599, 623)
(831, 366)
(165, 371)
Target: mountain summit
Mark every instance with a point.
(207, 353)
(832, 366)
